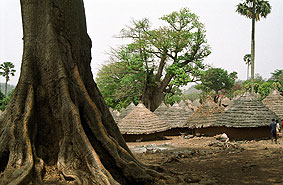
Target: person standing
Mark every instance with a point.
(273, 131)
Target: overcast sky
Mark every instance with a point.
(228, 33)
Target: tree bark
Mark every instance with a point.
(253, 46)
(57, 116)
(152, 97)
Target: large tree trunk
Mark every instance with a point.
(57, 116)
(152, 97)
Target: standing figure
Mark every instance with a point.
(273, 131)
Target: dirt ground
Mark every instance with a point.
(205, 160)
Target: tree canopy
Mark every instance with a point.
(162, 58)
(216, 80)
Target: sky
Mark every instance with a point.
(228, 33)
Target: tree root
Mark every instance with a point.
(87, 153)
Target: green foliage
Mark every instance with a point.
(277, 78)
(166, 57)
(171, 98)
(191, 96)
(264, 88)
(4, 100)
(217, 79)
(247, 85)
(177, 48)
(7, 70)
(262, 9)
(120, 84)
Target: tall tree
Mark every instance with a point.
(247, 60)
(7, 70)
(57, 116)
(172, 54)
(253, 9)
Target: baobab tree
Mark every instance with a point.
(57, 116)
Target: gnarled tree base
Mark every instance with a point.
(57, 117)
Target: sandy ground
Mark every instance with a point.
(205, 160)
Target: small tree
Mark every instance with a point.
(7, 69)
(216, 79)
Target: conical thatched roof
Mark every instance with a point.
(142, 121)
(205, 115)
(185, 106)
(162, 109)
(246, 111)
(176, 116)
(115, 114)
(126, 111)
(274, 102)
(196, 103)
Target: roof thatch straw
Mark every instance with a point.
(225, 102)
(126, 111)
(196, 103)
(274, 101)
(205, 115)
(162, 109)
(115, 114)
(142, 121)
(186, 106)
(176, 116)
(246, 111)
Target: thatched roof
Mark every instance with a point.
(205, 115)
(161, 110)
(126, 111)
(176, 116)
(274, 101)
(246, 111)
(186, 106)
(141, 121)
(115, 114)
(196, 103)
(225, 102)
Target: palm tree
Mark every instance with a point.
(7, 70)
(247, 59)
(254, 9)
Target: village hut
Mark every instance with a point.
(142, 124)
(274, 101)
(176, 116)
(115, 114)
(196, 103)
(161, 110)
(247, 118)
(204, 117)
(226, 102)
(127, 110)
(185, 106)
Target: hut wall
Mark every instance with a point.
(247, 133)
(143, 137)
(177, 131)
